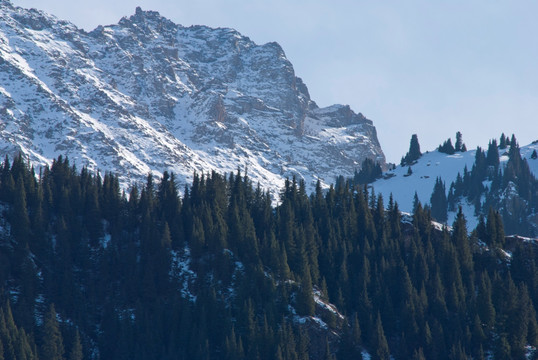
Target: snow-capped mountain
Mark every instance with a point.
(147, 95)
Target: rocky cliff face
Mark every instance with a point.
(147, 95)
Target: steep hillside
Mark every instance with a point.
(402, 183)
(147, 95)
(222, 274)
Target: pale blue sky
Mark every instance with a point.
(425, 67)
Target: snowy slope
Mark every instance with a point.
(526, 153)
(147, 95)
(424, 172)
(430, 166)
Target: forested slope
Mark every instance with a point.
(217, 272)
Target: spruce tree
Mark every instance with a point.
(76, 348)
(20, 222)
(503, 142)
(380, 344)
(7, 332)
(414, 151)
(418, 354)
(502, 349)
(356, 333)
(305, 300)
(52, 342)
(492, 157)
(447, 147)
(439, 202)
(486, 311)
(459, 142)
(461, 241)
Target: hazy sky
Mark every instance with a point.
(426, 67)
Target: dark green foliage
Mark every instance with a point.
(459, 146)
(450, 149)
(438, 201)
(370, 171)
(119, 271)
(502, 349)
(492, 157)
(447, 147)
(382, 351)
(511, 189)
(503, 143)
(76, 348)
(534, 155)
(52, 346)
(414, 151)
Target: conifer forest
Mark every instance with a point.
(220, 270)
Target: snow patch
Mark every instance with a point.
(182, 273)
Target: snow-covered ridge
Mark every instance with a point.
(147, 95)
(435, 164)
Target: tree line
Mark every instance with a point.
(217, 271)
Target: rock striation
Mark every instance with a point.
(148, 95)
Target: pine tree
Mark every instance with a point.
(76, 348)
(414, 151)
(20, 222)
(534, 155)
(492, 157)
(381, 346)
(356, 331)
(461, 241)
(502, 349)
(439, 202)
(416, 203)
(503, 144)
(486, 310)
(305, 300)
(447, 147)
(459, 142)
(7, 332)
(419, 354)
(52, 342)
(370, 171)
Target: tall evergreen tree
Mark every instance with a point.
(447, 147)
(52, 342)
(459, 142)
(439, 202)
(492, 157)
(381, 346)
(414, 151)
(20, 222)
(503, 142)
(76, 348)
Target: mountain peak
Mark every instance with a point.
(146, 14)
(148, 95)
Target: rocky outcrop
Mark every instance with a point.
(148, 95)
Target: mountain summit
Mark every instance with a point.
(148, 95)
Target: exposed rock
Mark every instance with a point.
(148, 95)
